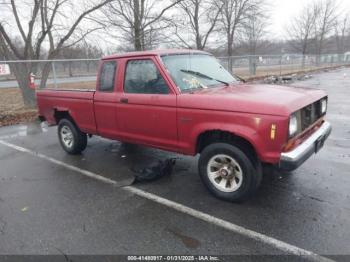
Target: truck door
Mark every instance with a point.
(105, 100)
(147, 105)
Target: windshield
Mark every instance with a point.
(192, 71)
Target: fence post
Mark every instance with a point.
(252, 65)
(54, 74)
(281, 65)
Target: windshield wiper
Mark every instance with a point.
(240, 78)
(203, 76)
(191, 89)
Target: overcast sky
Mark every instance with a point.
(282, 11)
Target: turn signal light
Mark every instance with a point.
(273, 132)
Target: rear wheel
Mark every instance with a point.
(72, 140)
(228, 172)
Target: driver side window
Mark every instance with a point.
(143, 77)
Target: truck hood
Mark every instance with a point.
(251, 98)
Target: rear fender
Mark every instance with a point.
(53, 118)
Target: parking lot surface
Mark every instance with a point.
(48, 207)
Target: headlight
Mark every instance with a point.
(323, 106)
(293, 125)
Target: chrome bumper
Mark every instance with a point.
(293, 159)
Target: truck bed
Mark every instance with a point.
(78, 102)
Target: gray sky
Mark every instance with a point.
(282, 11)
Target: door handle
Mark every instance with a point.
(124, 100)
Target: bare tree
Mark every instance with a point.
(203, 16)
(73, 52)
(138, 20)
(44, 25)
(254, 29)
(80, 51)
(341, 33)
(325, 17)
(233, 15)
(301, 30)
(89, 52)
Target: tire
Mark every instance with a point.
(221, 161)
(69, 132)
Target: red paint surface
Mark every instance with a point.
(174, 121)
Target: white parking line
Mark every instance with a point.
(278, 244)
(74, 168)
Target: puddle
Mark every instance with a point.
(342, 143)
(36, 127)
(344, 155)
(189, 242)
(32, 128)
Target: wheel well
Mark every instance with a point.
(59, 115)
(219, 136)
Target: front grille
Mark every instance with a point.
(310, 114)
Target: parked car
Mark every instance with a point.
(186, 102)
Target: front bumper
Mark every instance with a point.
(293, 159)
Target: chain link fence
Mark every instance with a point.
(65, 73)
(276, 65)
(81, 73)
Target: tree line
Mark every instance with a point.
(50, 29)
(317, 26)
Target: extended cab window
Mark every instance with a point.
(143, 77)
(107, 76)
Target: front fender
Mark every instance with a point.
(245, 132)
(254, 128)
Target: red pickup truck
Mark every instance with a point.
(186, 102)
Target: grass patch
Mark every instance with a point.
(12, 108)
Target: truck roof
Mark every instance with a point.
(154, 53)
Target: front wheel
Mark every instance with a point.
(72, 140)
(228, 172)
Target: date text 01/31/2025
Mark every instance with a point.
(173, 258)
